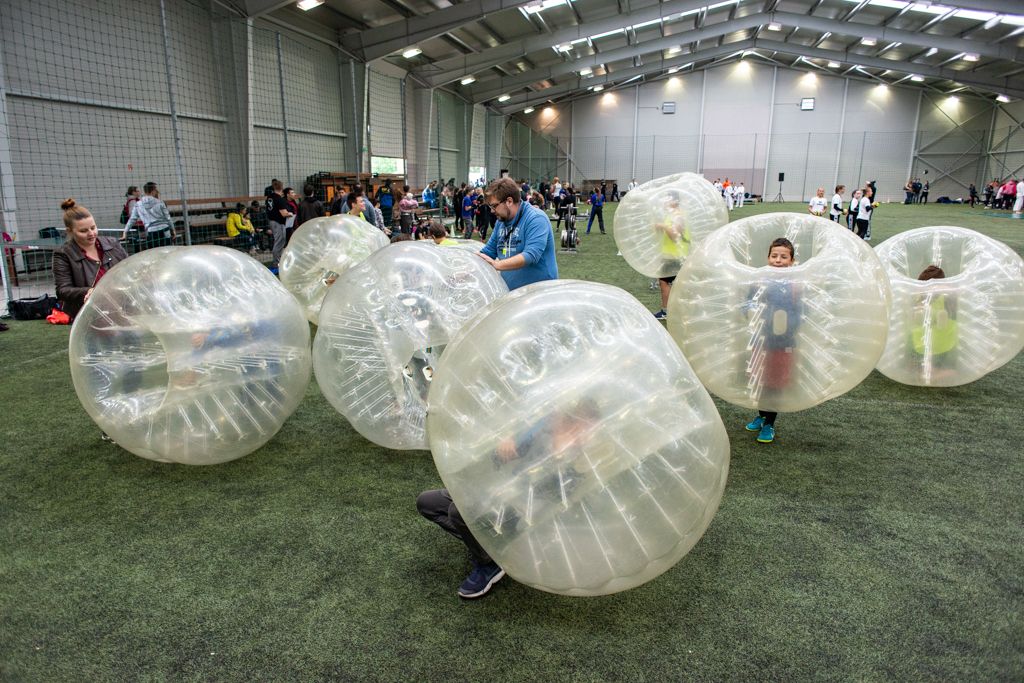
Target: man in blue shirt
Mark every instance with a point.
(596, 209)
(522, 246)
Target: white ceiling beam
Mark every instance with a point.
(447, 70)
(490, 88)
(884, 34)
(377, 42)
(530, 99)
(984, 83)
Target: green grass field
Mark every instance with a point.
(881, 537)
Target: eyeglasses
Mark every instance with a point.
(495, 205)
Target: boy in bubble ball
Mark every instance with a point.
(774, 311)
(541, 460)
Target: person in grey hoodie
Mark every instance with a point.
(154, 215)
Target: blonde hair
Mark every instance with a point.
(73, 212)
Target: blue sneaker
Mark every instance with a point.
(480, 580)
(755, 424)
(661, 315)
(766, 435)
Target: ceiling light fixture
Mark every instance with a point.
(1002, 98)
(587, 71)
(564, 47)
(467, 80)
(870, 42)
(674, 69)
(774, 26)
(505, 98)
(993, 22)
(971, 57)
(833, 65)
(306, 5)
(528, 110)
(931, 51)
(412, 52)
(598, 88)
(675, 50)
(917, 79)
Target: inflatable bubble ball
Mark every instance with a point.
(780, 338)
(193, 355)
(580, 448)
(658, 223)
(383, 327)
(957, 306)
(319, 251)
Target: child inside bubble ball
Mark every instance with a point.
(935, 336)
(537, 462)
(774, 309)
(674, 246)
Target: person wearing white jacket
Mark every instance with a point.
(1019, 203)
(154, 215)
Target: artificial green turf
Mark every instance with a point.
(881, 537)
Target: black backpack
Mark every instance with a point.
(32, 309)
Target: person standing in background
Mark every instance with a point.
(278, 213)
(310, 208)
(132, 197)
(596, 209)
(153, 213)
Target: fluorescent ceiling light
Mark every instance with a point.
(306, 5)
(598, 88)
(917, 79)
(931, 51)
(674, 69)
(564, 47)
(971, 57)
(467, 80)
(586, 71)
(1002, 98)
(528, 110)
(505, 98)
(607, 33)
(774, 26)
(833, 65)
(991, 23)
(868, 41)
(675, 50)
(535, 7)
(412, 52)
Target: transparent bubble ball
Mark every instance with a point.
(780, 339)
(319, 251)
(193, 355)
(945, 332)
(658, 223)
(383, 327)
(577, 443)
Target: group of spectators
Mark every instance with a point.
(916, 191)
(733, 193)
(1005, 195)
(856, 215)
